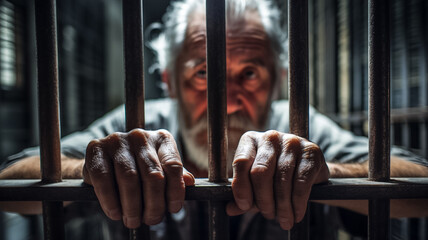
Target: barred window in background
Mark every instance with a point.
(7, 46)
(13, 89)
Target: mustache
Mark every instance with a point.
(235, 121)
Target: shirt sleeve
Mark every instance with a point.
(342, 146)
(74, 145)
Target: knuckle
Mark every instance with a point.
(155, 176)
(301, 187)
(97, 171)
(259, 171)
(163, 135)
(171, 160)
(284, 171)
(93, 150)
(272, 135)
(137, 133)
(114, 137)
(240, 163)
(93, 144)
(249, 135)
(291, 142)
(130, 175)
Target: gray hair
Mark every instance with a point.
(168, 43)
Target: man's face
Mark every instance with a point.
(250, 74)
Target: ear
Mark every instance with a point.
(167, 80)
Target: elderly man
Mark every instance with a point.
(140, 175)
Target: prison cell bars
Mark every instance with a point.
(133, 42)
(298, 86)
(51, 191)
(47, 70)
(379, 114)
(216, 113)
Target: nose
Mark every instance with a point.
(234, 101)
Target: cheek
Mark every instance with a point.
(194, 101)
(259, 103)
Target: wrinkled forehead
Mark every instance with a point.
(244, 29)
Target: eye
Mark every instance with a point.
(249, 74)
(199, 79)
(250, 79)
(201, 74)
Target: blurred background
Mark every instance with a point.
(91, 77)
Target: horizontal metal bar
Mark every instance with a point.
(336, 188)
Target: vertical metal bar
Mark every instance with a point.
(379, 113)
(299, 85)
(47, 73)
(217, 106)
(134, 78)
(133, 52)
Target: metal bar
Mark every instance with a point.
(299, 86)
(134, 61)
(217, 108)
(298, 67)
(379, 113)
(47, 73)
(336, 188)
(379, 222)
(134, 78)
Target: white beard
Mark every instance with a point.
(197, 151)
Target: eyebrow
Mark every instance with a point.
(255, 61)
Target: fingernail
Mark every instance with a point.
(299, 216)
(153, 220)
(285, 224)
(243, 204)
(131, 222)
(175, 206)
(115, 214)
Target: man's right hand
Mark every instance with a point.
(136, 175)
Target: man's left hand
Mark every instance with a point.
(273, 172)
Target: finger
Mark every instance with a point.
(306, 173)
(233, 210)
(128, 180)
(152, 175)
(262, 173)
(283, 181)
(98, 172)
(243, 160)
(173, 169)
(188, 177)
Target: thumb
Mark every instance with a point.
(189, 179)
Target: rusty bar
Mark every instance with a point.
(47, 74)
(379, 113)
(134, 78)
(216, 113)
(299, 86)
(336, 188)
(379, 85)
(298, 67)
(379, 223)
(133, 53)
(216, 70)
